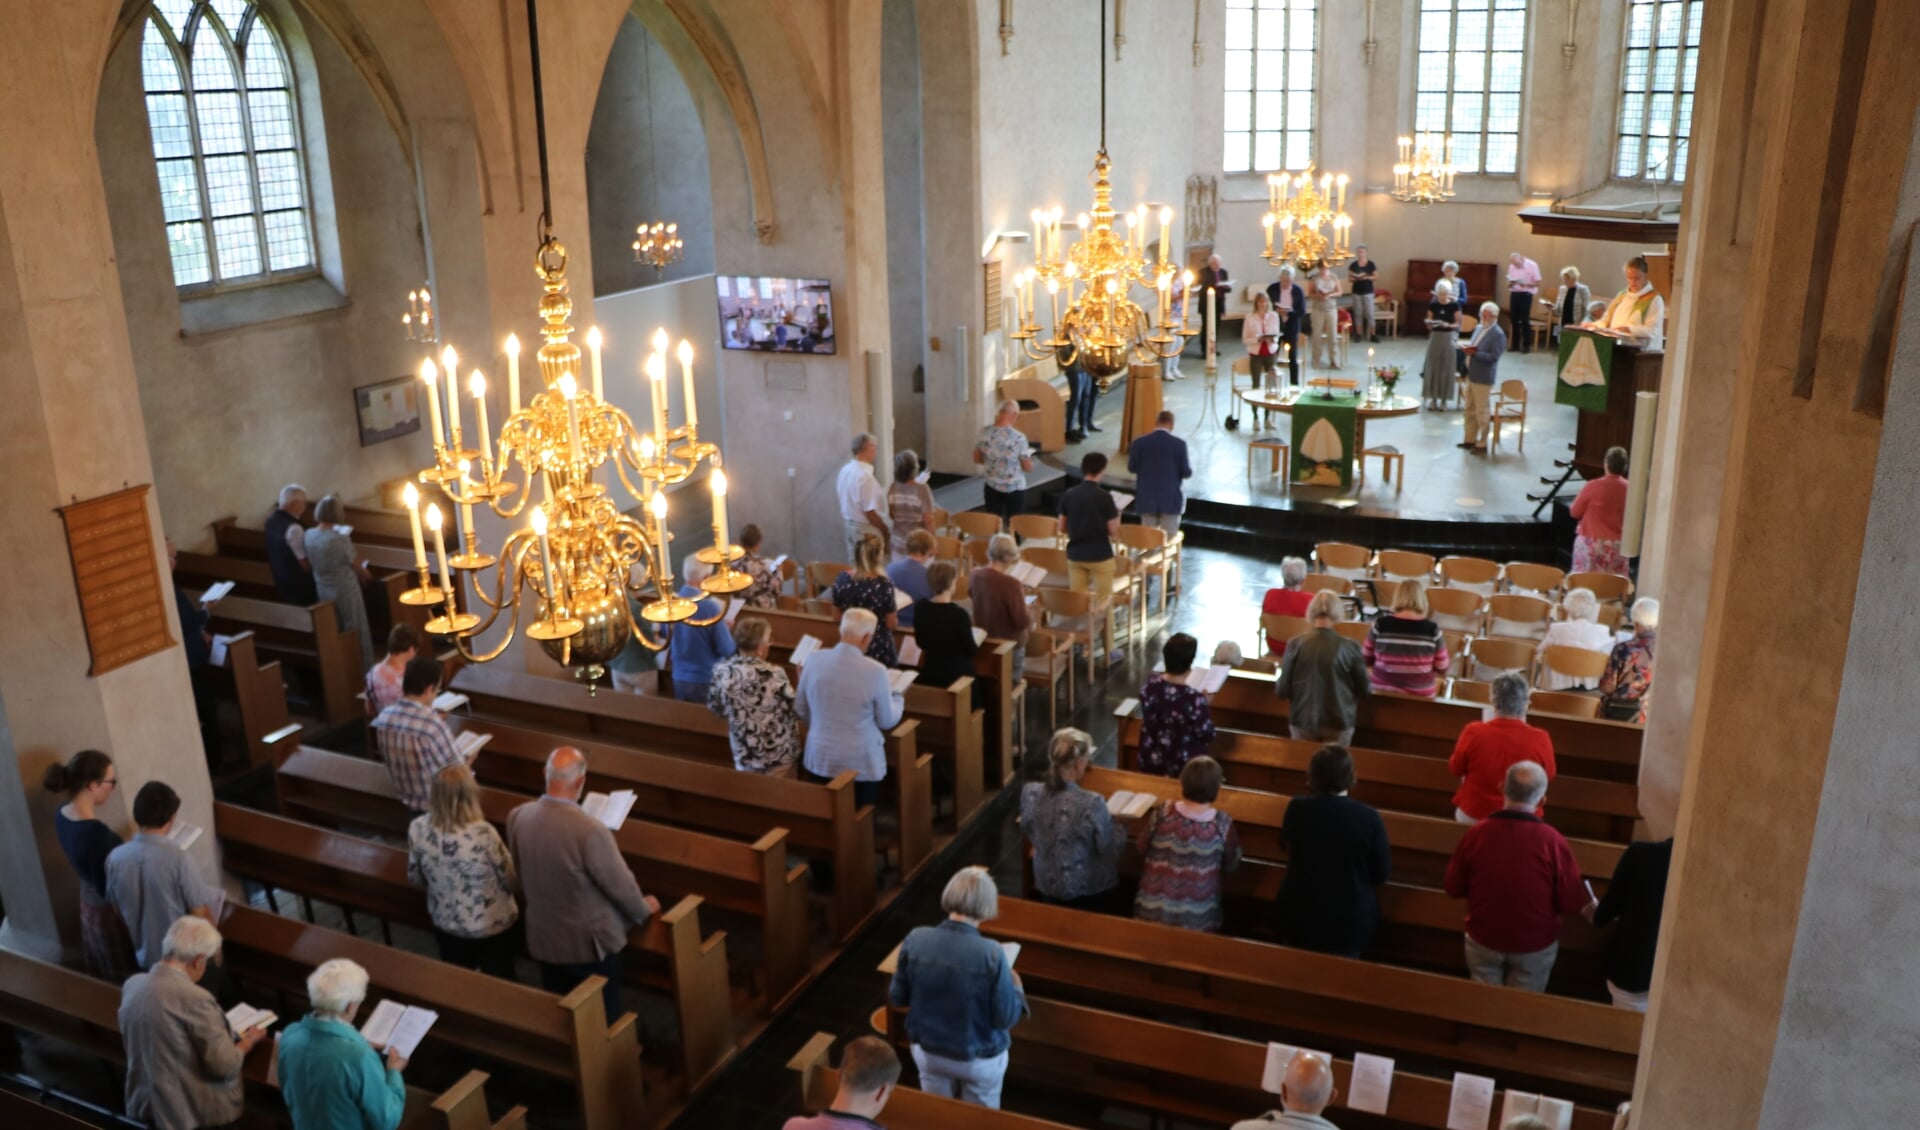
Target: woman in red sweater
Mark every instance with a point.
(1486, 750)
(1601, 508)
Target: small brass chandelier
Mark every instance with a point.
(1423, 176)
(658, 245)
(579, 563)
(1300, 209)
(1103, 329)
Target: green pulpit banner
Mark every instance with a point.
(1323, 453)
(1585, 360)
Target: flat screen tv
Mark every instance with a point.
(775, 315)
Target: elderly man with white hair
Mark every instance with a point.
(960, 994)
(1000, 601)
(1005, 456)
(1581, 629)
(1306, 1089)
(848, 705)
(329, 1074)
(581, 898)
(183, 1061)
(1484, 350)
(693, 650)
(287, 547)
(1519, 878)
(863, 504)
(1628, 680)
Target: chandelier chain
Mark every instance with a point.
(540, 122)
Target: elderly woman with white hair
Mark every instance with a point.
(693, 651)
(961, 994)
(1000, 601)
(183, 1060)
(1290, 599)
(1486, 750)
(1483, 350)
(1581, 629)
(1629, 676)
(1442, 365)
(330, 1076)
(848, 705)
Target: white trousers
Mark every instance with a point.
(975, 1081)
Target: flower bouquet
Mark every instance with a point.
(1387, 376)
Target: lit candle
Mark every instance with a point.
(719, 479)
(539, 520)
(659, 507)
(466, 507)
(593, 351)
(657, 382)
(477, 384)
(1186, 308)
(1212, 327)
(1166, 219)
(513, 374)
(411, 497)
(431, 377)
(1342, 182)
(1266, 222)
(450, 361)
(569, 391)
(685, 353)
(440, 547)
(1053, 296)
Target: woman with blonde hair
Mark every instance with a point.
(1570, 305)
(866, 586)
(459, 858)
(1405, 652)
(1076, 842)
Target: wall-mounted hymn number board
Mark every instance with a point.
(122, 601)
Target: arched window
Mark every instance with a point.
(1656, 98)
(1472, 61)
(226, 141)
(1270, 73)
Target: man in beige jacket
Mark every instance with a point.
(183, 1061)
(580, 897)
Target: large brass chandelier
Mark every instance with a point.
(1301, 209)
(1423, 175)
(1103, 329)
(576, 567)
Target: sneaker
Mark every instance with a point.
(1095, 428)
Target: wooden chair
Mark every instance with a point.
(1404, 565)
(1510, 407)
(976, 524)
(1474, 574)
(1052, 559)
(1386, 315)
(1541, 326)
(819, 606)
(946, 547)
(1050, 663)
(1577, 663)
(1318, 581)
(1274, 627)
(1613, 615)
(822, 574)
(1495, 657)
(1537, 579)
(1518, 616)
(1610, 588)
(1457, 647)
(975, 553)
(939, 520)
(1069, 614)
(1456, 610)
(1355, 630)
(789, 578)
(1147, 547)
(1470, 690)
(1564, 702)
(1031, 529)
(1276, 448)
(1343, 560)
(1392, 461)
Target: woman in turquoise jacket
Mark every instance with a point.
(330, 1076)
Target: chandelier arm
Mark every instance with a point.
(471, 656)
(639, 633)
(717, 617)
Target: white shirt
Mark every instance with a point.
(1257, 325)
(1585, 634)
(1648, 328)
(858, 492)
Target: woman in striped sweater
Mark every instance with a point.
(1405, 651)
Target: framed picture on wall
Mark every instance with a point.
(387, 410)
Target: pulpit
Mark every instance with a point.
(1633, 370)
(1144, 400)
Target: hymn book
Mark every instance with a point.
(185, 835)
(398, 1028)
(1028, 574)
(1209, 680)
(217, 651)
(1120, 499)
(215, 591)
(1556, 1113)
(1125, 803)
(807, 646)
(910, 652)
(1472, 1102)
(468, 743)
(898, 681)
(611, 808)
(1371, 1085)
(447, 702)
(901, 600)
(242, 1017)
(979, 636)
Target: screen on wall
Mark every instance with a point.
(775, 315)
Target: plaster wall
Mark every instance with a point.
(906, 223)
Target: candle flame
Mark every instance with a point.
(719, 479)
(513, 346)
(433, 517)
(659, 505)
(593, 337)
(660, 340)
(539, 520)
(449, 360)
(428, 372)
(477, 385)
(410, 496)
(568, 387)
(685, 352)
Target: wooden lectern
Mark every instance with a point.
(1634, 370)
(1145, 396)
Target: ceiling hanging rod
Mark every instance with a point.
(1100, 46)
(540, 123)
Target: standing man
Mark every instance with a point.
(849, 706)
(1289, 302)
(150, 881)
(1360, 281)
(1323, 677)
(1158, 463)
(414, 740)
(1483, 350)
(1005, 457)
(183, 1061)
(287, 548)
(863, 505)
(1523, 282)
(1090, 521)
(581, 897)
(1212, 276)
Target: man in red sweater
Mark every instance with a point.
(1519, 878)
(1486, 750)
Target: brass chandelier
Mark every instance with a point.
(658, 245)
(578, 564)
(1103, 329)
(1301, 209)
(1423, 176)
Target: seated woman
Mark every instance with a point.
(1076, 841)
(1187, 845)
(1175, 723)
(1629, 675)
(1581, 629)
(1405, 651)
(1337, 857)
(961, 995)
(943, 630)
(866, 586)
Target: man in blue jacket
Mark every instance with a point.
(1158, 463)
(1290, 302)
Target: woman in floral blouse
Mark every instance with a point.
(458, 857)
(1629, 675)
(754, 697)
(867, 586)
(1175, 722)
(1076, 842)
(765, 590)
(1187, 845)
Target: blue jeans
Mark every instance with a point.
(1082, 394)
(691, 692)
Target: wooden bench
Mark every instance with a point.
(1577, 806)
(1577, 1049)
(319, 863)
(752, 879)
(261, 695)
(243, 549)
(82, 1012)
(377, 525)
(309, 637)
(906, 1107)
(1583, 747)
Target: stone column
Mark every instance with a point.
(72, 429)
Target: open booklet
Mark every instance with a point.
(979, 636)
(1556, 1113)
(217, 651)
(890, 964)
(242, 1017)
(184, 835)
(1028, 574)
(1209, 680)
(910, 652)
(902, 600)
(468, 742)
(611, 808)
(1120, 499)
(1125, 803)
(898, 681)
(807, 646)
(448, 701)
(397, 1027)
(215, 591)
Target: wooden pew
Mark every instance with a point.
(376, 525)
(83, 1012)
(1583, 747)
(261, 695)
(310, 637)
(745, 878)
(392, 568)
(1578, 1049)
(318, 863)
(906, 1107)
(562, 1037)
(1577, 806)
(251, 576)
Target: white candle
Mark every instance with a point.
(539, 520)
(411, 497)
(513, 374)
(431, 377)
(657, 382)
(1186, 308)
(440, 547)
(1212, 327)
(477, 384)
(466, 508)
(719, 480)
(593, 352)
(685, 353)
(659, 507)
(1266, 222)
(570, 392)
(450, 361)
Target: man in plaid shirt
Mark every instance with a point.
(414, 741)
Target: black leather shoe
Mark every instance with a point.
(1095, 428)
